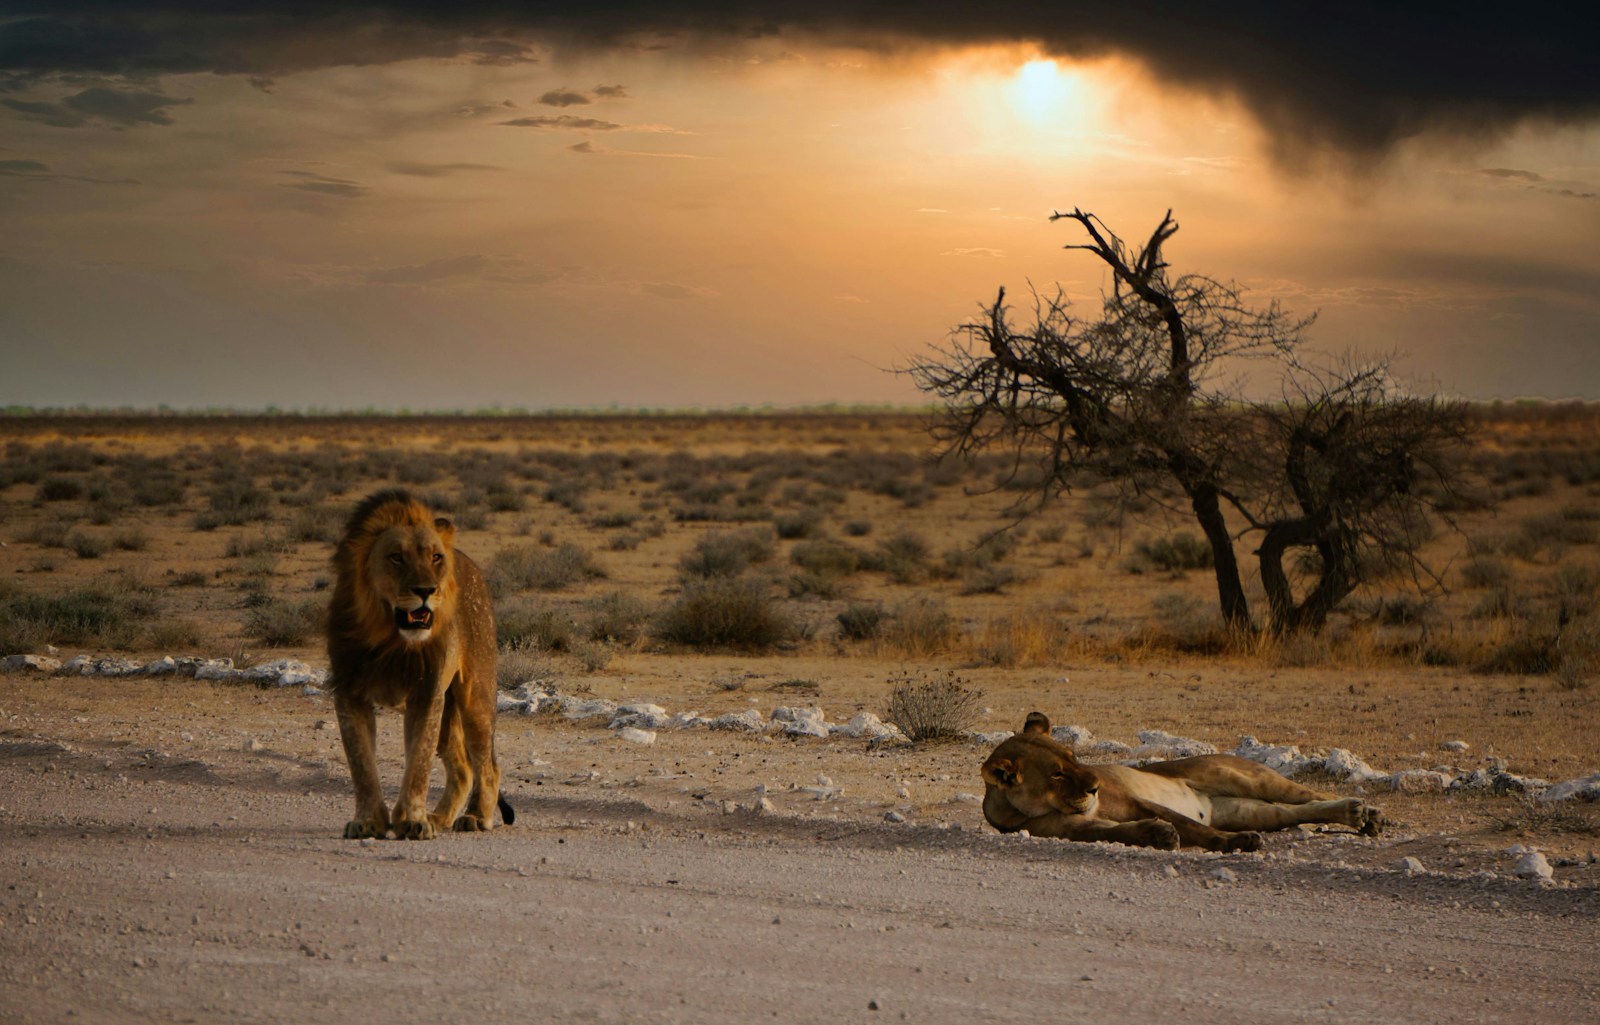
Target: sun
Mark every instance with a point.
(1040, 90)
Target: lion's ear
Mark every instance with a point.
(1037, 722)
(1002, 772)
(446, 529)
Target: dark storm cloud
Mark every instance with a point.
(120, 108)
(1354, 77)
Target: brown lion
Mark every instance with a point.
(411, 626)
(1219, 802)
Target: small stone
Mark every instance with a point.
(634, 735)
(765, 807)
(872, 1005)
(1171, 871)
(1224, 875)
(893, 816)
(1533, 865)
(1410, 866)
(254, 744)
(367, 841)
(1455, 745)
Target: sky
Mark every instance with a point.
(208, 203)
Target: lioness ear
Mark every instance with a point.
(1037, 722)
(446, 529)
(1002, 772)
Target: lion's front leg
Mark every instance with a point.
(1151, 832)
(358, 728)
(422, 723)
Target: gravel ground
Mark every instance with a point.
(160, 868)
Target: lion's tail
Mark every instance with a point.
(507, 813)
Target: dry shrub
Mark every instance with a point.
(87, 615)
(531, 568)
(518, 665)
(1020, 639)
(932, 708)
(284, 624)
(1485, 571)
(920, 626)
(861, 621)
(728, 553)
(1176, 554)
(522, 626)
(725, 612)
(617, 618)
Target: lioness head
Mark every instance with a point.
(397, 570)
(1039, 775)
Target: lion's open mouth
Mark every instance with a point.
(414, 619)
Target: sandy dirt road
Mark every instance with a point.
(140, 887)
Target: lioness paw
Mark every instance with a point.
(1369, 820)
(1250, 841)
(415, 829)
(376, 826)
(473, 824)
(1156, 833)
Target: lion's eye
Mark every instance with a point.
(395, 558)
(1093, 788)
(438, 557)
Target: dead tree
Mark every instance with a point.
(1139, 396)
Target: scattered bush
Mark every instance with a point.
(728, 553)
(858, 528)
(861, 621)
(87, 615)
(1485, 571)
(932, 708)
(920, 627)
(904, 557)
(284, 624)
(86, 546)
(826, 558)
(724, 612)
(518, 665)
(791, 526)
(1176, 554)
(60, 489)
(531, 568)
(617, 618)
(520, 625)
(131, 539)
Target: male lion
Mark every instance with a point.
(1219, 802)
(411, 626)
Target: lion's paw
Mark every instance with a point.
(1156, 833)
(1249, 841)
(414, 829)
(362, 827)
(473, 824)
(1369, 820)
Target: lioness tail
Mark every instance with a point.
(507, 813)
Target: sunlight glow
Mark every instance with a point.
(1040, 91)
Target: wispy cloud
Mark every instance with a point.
(573, 123)
(429, 272)
(438, 170)
(588, 148)
(564, 98)
(978, 251)
(309, 181)
(34, 170)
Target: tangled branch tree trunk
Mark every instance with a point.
(1136, 397)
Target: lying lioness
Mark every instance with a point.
(1219, 802)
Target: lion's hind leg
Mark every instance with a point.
(1265, 816)
(457, 769)
(478, 725)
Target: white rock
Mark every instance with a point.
(747, 721)
(864, 724)
(1586, 788)
(1410, 866)
(800, 722)
(1533, 865)
(1224, 875)
(992, 739)
(1284, 758)
(591, 708)
(1455, 745)
(763, 806)
(966, 798)
(1072, 736)
(1341, 764)
(162, 666)
(1179, 747)
(634, 735)
(1416, 781)
(30, 663)
(642, 716)
(893, 816)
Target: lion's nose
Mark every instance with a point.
(423, 592)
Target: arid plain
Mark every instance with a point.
(870, 563)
